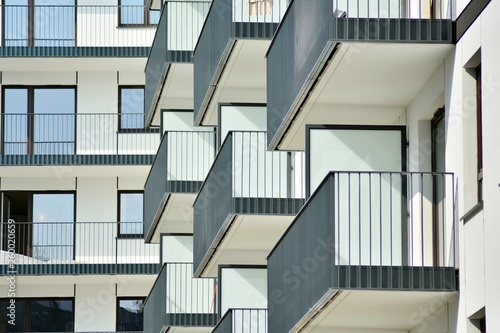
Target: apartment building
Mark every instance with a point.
(74, 156)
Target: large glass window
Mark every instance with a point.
(131, 215)
(39, 315)
(38, 121)
(129, 315)
(39, 22)
(44, 224)
(134, 12)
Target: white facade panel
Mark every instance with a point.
(242, 288)
(177, 248)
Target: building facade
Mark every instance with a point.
(250, 166)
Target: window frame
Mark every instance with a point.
(28, 305)
(31, 23)
(146, 16)
(128, 298)
(144, 128)
(30, 89)
(121, 235)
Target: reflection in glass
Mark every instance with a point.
(130, 316)
(132, 108)
(47, 23)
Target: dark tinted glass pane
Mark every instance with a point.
(132, 108)
(13, 320)
(51, 316)
(130, 316)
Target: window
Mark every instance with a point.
(130, 214)
(479, 125)
(39, 315)
(135, 13)
(129, 316)
(39, 22)
(38, 120)
(44, 224)
(131, 107)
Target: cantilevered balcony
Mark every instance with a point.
(243, 321)
(180, 166)
(178, 300)
(76, 139)
(246, 202)
(379, 245)
(83, 30)
(169, 70)
(354, 52)
(61, 248)
(229, 64)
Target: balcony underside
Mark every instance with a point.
(72, 51)
(241, 78)
(363, 311)
(174, 92)
(79, 268)
(362, 83)
(76, 159)
(244, 239)
(175, 214)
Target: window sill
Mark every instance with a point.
(472, 212)
(135, 26)
(138, 130)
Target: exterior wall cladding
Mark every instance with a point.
(249, 166)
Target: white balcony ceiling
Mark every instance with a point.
(384, 78)
(243, 79)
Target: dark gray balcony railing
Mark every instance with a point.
(365, 230)
(245, 179)
(297, 57)
(178, 299)
(81, 138)
(78, 30)
(178, 30)
(227, 21)
(243, 321)
(181, 165)
(77, 248)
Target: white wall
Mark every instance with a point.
(242, 288)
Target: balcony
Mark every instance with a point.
(71, 248)
(246, 202)
(172, 55)
(229, 61)
(180, 166)
(243, 321)
(76, 139)
(377, 244)
(178, 300)
(353, 52)
(68, 30)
